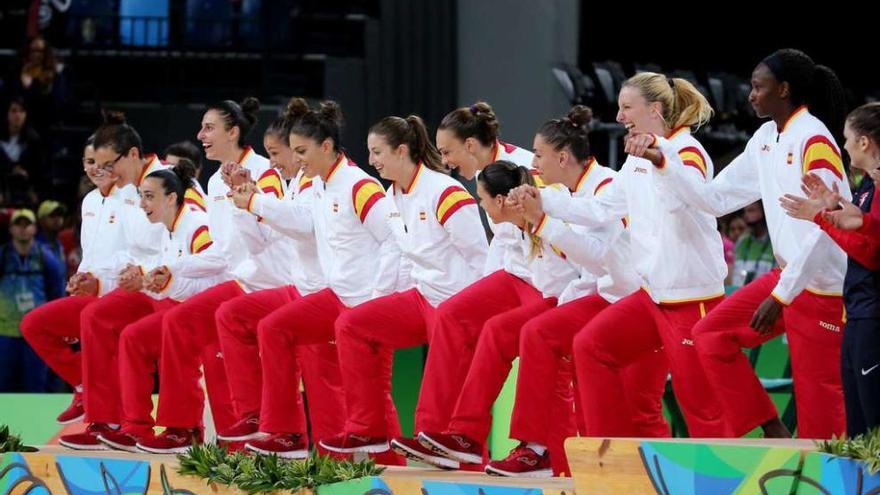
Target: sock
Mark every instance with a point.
(537, 448)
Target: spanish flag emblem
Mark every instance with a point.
(270, 183)
(821, 153)
(201, 240)
(364, 195)
(693, 157)
(194, 199)
(451, 200)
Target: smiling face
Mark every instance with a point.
(391, 163)
(158, 206)
(315, 158)
(458, 154)
(637, 114)
(125, 167)
(217, 141)
(101, 179)
(280, 155)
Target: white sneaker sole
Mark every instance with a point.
(175, 450)
(253, 436)
(434, 460)
(377, 448)
(117, 446)
(463, 457)
(538, 473)
(75, 446)
(293, 454)
(72, 421)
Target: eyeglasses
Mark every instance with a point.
(108, 167)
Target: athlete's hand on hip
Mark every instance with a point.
(765, 317)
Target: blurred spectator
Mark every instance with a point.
(21, 155)
(40, 78)
(754, 252)
(186, 149)
(731, 227)
(50, 216)
(29, 276)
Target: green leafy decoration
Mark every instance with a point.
(12, 443)
(864, 448)
(265, 473)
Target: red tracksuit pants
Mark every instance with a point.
(458, 322)
(545, 348)
(305, 321)
(237, 323)
(139, 346)
(364, 336)
(814, 325)
(624, 333)
(189, 340)
(497, 347)
(101, 324)
(50, 328)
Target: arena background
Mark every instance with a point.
(161, 61)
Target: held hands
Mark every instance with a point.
(241, 195)
(131, 278)
(526, 200)
(815, 188)
(234, 174)
(82, 284)
(157, 279)
(642, 145)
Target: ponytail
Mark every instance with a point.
(683, 104)
(412, 132)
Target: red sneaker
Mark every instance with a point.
(119, 440)
(74, 412)
(522, 462)
(284, 445)
(87, 440)
(349, 443)
(171, 441)
(246, 429)
(454, 446)
(411, 449)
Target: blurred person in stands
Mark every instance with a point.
(754, 251)
(50, 217)
(40, 78)
(732, 228)
(29, 277)
(21, 156)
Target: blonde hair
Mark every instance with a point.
(683, 105)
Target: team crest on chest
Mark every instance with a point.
(335, 207)
(423, 215)
(790, 158)
(112, 218)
